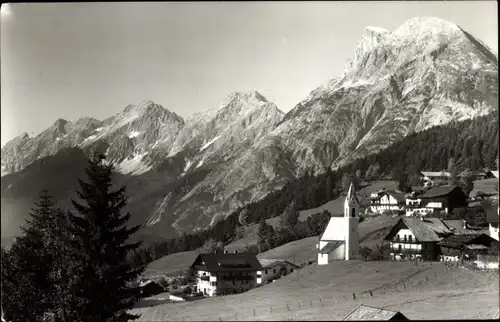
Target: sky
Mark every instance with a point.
(69, 60)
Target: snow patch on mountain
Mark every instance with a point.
(90, 138)
(206, 145)
(133, 134)
(199, 164)
(188, 165)
(133, 166)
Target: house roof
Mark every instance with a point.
(457, 227)
(228, 262)
(492, 212)
(457, 241)
(369, 313)
(330, 246)
(268, 263)
(438, 191)
(435, 173)
(437, 225)
(424, 231)
(399, 196)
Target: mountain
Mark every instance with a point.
(183, 175)
(427, 72)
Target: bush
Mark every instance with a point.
(365, 252)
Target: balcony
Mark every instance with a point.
(205, 278)
(237, 278)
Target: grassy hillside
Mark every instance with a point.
(171, 265)
(297, 252)
(326, 293)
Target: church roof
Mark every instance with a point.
(331, 246)
(351, 194)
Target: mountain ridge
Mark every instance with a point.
(196, 171)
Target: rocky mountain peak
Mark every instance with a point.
(420, 26)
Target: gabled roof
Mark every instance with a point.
(438, 191)
(369, 313)
(435, 173)
(457, 227)
(331, 246)
(437, 225)
(399, 196)
(457, 241)
(228, 262)
(269, 263)
(424, 231)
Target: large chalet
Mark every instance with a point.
(417, 238)
(387, 200)
(226, 273)
(439, 199)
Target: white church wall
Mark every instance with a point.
(335, 230)
(337, 254)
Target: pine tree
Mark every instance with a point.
(101, 274)
(33, 289)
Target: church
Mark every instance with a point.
(340, 240)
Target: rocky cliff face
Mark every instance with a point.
(425, 73)
(190, 173)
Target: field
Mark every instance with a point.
(420, 291)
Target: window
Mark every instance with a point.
(410, 237)
(291, 270)
(399, 247)
(274, 271)
(266, 271)
(353, 212)
(405, 238)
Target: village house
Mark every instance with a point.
(225, 273)
(431, 178)
(387, 200)
(417, 238)
(273, 269)
(340, 240)
(456, 247)
(492, 217)
(436, 200)
(369, 313)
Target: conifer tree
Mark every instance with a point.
(102, 276)
(30, 273)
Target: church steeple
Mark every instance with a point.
(351, 204)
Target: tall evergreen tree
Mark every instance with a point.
(102, 274)
(30, 278)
